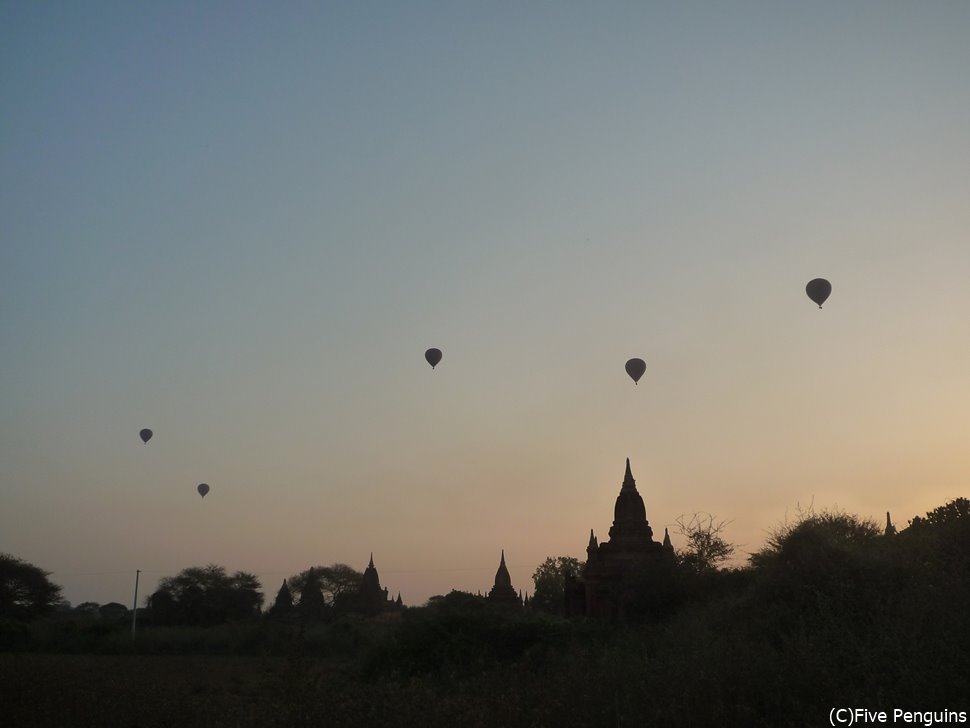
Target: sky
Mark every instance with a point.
(242, 224)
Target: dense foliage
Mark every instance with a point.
(325, 591)
(205, 595)
(549, 579)
(25, 590)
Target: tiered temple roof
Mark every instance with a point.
(630, 548)
(502, 592)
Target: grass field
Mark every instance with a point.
(62, 691)
(113, 690)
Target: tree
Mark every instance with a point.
(456, 600)
(834, 527)
(113, 612)
(164, 608)
(25, 590)
(942, 536)
(338, 584)
(705, 548)
(549, 579)
(337, 580)
(89, 609)
(955, 513)
(206, 595)
(827, 567)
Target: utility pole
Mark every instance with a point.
(134, 606)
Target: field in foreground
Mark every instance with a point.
(151, 691)
(118, 690)
(148, 691)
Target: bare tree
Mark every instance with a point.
(706, 547)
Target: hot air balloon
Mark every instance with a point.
(433, 356)
(203, 489)
(145, 435)
(818, 289)
(635, 368)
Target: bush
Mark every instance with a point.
(461, 635)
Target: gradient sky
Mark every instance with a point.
(241, 225)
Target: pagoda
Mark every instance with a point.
(630, 549)
(373, 599)
(502, 592)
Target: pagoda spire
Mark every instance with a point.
(667, 546)
(628, 481)
(502, 591)
(502, 576)
(629, 513)
(284, 601)
(890, 528)
(373, 597)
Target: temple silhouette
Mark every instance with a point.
(374, 600)
(502, 592)
(890, 528)
(598, 590)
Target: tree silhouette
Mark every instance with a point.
(113, 612)
(938, 548)
(88, 608)
(953, 513)
(549, 578)
(205, 595)
(164, 608)
(705, 548)
(338, 584)
(832, 526)
(826, 566)
(25, 590)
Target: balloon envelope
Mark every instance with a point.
(635, 368)
(145, 435)
(203, 489)
(433, 356)
(818, 289)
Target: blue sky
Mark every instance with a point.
(241, 226)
